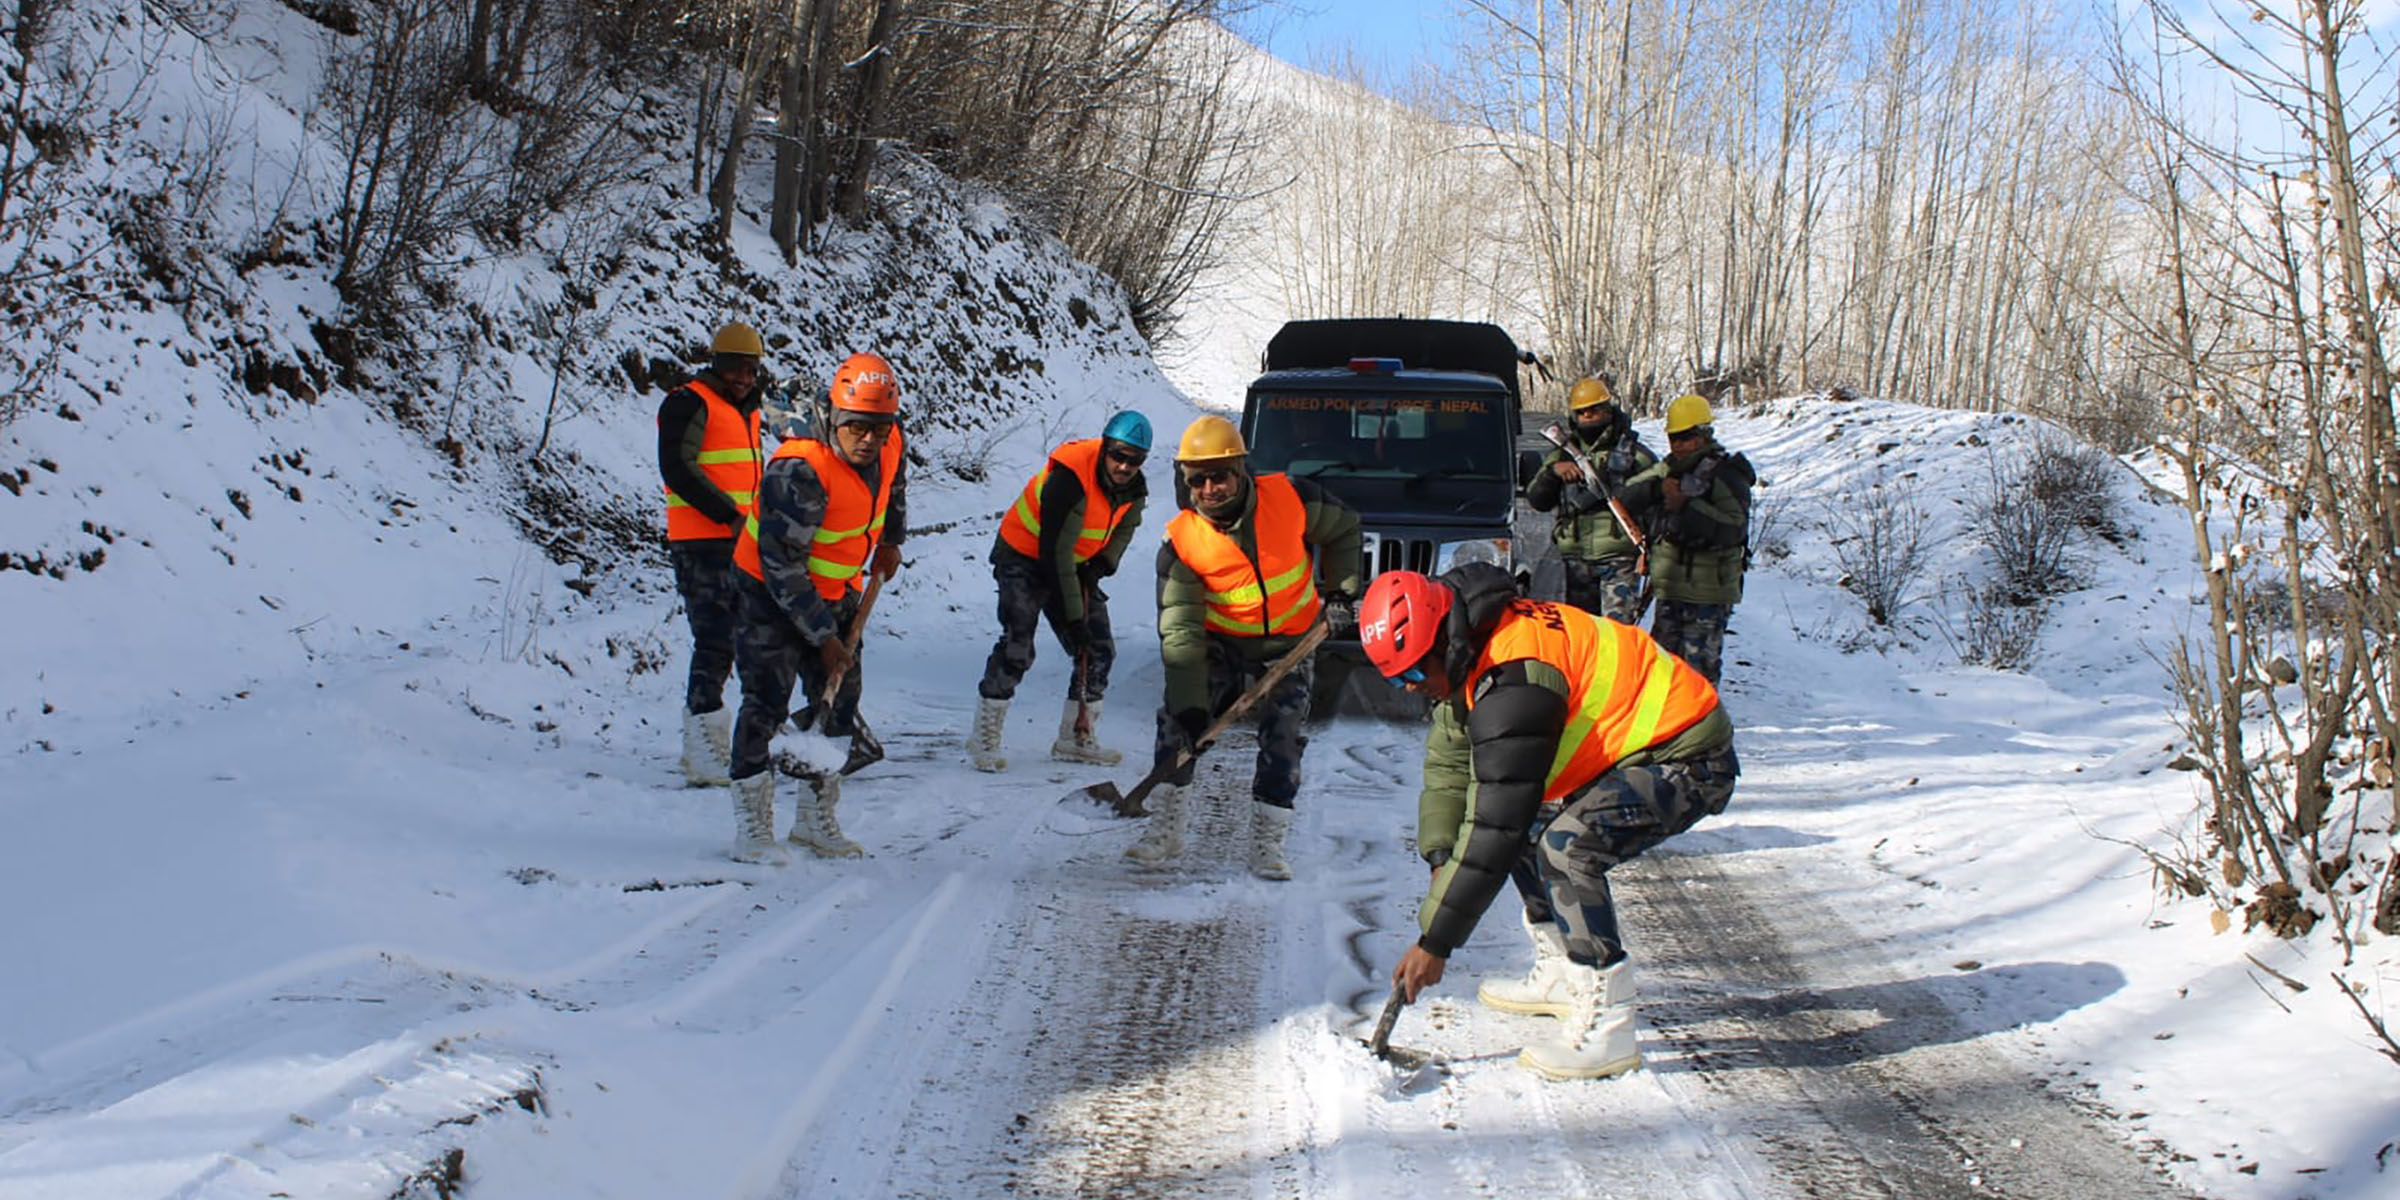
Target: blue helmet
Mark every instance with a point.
(1131, 428)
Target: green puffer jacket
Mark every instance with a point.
(1332, 535)
(1586, 528)
(1698, 553)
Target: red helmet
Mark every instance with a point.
(864, 388)
(1399, 619)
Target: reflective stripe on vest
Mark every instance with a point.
(1021, 526)
(853, 524)
(729, 457)
(1626, 694)
(1277, 595)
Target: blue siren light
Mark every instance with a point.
(1376, 366)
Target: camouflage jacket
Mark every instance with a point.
(791, 506)
(1586, 528)
(1699, 552)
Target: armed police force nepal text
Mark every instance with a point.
(1377, 404)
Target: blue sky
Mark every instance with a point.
(1385, 33)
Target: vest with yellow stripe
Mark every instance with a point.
(853, 523)
(1021, 527)
(729, 457)
(1625, 694)
(1275, 596)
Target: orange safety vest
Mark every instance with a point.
(1021, 527)
(1625, 693)
(1275, 596)
(728, 456)
(853, 524)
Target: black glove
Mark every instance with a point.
(1075, 635)
(1341, 612)
(1090, 572)
(1193, 722)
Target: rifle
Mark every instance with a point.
(1596, 483)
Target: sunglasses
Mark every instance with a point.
(1208, 478)
(1131, 458)
(1402, 680)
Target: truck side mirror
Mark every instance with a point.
(1529, 464)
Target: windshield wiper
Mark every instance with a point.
(1321, 468)
(1453, 471)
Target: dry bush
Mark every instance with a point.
(2035, 515)
(1880, 545)
(447, 133)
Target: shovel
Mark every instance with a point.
(1129, 804)
(864, 748)
(1409, 1065)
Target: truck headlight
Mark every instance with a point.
(1477, 550)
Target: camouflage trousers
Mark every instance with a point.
(713, 608)
(1563, 874)
(1280, 714)
(1028, 595)
(1694, 633)
(772, 658)
(1605, 587)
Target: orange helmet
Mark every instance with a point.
(1399, 619)
(864, 389)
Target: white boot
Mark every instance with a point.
(1596, 1037)
(983, 743)
(707, 745)
(754, 821)
(814, 826)
(1268, 824)
(1162, 839)
(1543, 992)
(1086, 748)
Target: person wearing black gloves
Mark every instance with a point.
(1598, 552)
(709, 461)
(1696, 502)
(1249, 565)
(1562, 745)
(1064, 534)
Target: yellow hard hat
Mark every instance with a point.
(737, 338)
(1587, 392)
(1210, 439)
(1688, 412)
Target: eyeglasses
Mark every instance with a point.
(1130, 458)
(1208, 477)
(1402, 680)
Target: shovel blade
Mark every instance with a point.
(1109, 797)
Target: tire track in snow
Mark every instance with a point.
(1899, 1102)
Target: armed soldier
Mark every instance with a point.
(1562, 745)
(1066, 532)
(1238, 586)
(1596, 540)
(1698, 501)
(829, 513)
(708, 461)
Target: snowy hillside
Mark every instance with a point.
(346, 855)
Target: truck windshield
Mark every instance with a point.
(1409, 437)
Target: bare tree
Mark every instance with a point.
(2275, 354)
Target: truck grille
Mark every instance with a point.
(1385, 553)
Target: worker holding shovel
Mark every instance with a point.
(1562, 745)
(1249, 565)
(831, 513)
(1065, 532)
